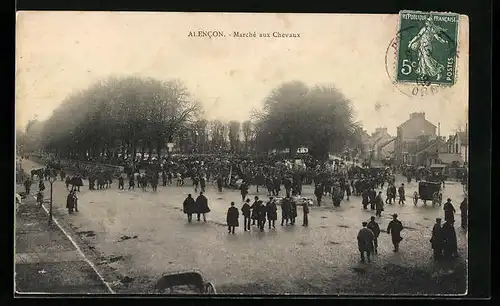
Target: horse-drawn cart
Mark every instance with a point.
(428, 191)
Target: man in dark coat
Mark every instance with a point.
(379, 204)
(285, 211)
(261, 215)
(318, 192)
(365, 200)
(120, 183)
(449, 211)
(372, 194)
(394, 228)
(255, 210)
(401, 192)
(41, 185)
(203, 184)
(220, 182)
(277, 185)
(347, 188)
(27, 186)
(189, 207)
(245, 210)
(375, 228)
(437, 239)
(202, 207)
(272, 213)
(232, 218)
(305, 212)
(365, 242)
(196, 181)
(244, 190)
(131, 182)
(464, 208)
(293, 211)
(449, 240)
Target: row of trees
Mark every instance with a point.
(131, 114)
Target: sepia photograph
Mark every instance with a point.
(171, 153)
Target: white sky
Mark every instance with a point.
(59, 52)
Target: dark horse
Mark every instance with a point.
(40, 173)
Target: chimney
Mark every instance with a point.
(439, 129)
(417, 115)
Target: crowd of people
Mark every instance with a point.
(331, 179)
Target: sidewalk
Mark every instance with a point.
(46, 261)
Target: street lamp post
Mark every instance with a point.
(52, 179)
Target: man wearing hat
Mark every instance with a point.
(394, 228)
(375, 228)
(401, 192)
(245, 210)
(365, 242)
(449, 211)
(437, 239)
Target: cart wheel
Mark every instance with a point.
(209, 288)
(415, 198)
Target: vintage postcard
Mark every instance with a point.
(238, 153)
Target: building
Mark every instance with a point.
(380, 143)
(459, 144)
(413, 135)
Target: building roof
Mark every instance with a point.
(463, 137)
(448, 158)
(414, 116)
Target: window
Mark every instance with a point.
(456, 148)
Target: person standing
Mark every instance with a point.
(41, 185)
(318, 192)
(449, 240)
(272, 213)
(365, 199)
(244, 190)
(394, 228)
(220, 182)
(372, 194)
(285, 211)
(347, 188)
(232, 218)
(365, 242)
(379, 204)
(464, 208)
(261, 215)
(27, 186)
(120, 183)
(375, 228)
(189, 207)
(195, 182)
(401, 192)
(203, 183)
(437, 240)
(255, 210)
(131, 182)
(449, 211)
(245, 210)
(305, 211)
(293, 211)
(202, 207)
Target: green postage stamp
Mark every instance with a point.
(427, 47)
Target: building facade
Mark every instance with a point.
(459, 144)
(380, 143)
(413, 135)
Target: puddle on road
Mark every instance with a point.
(333, 242)
(343, 226)
(323, 226)
(302, 243)
(324, 217)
